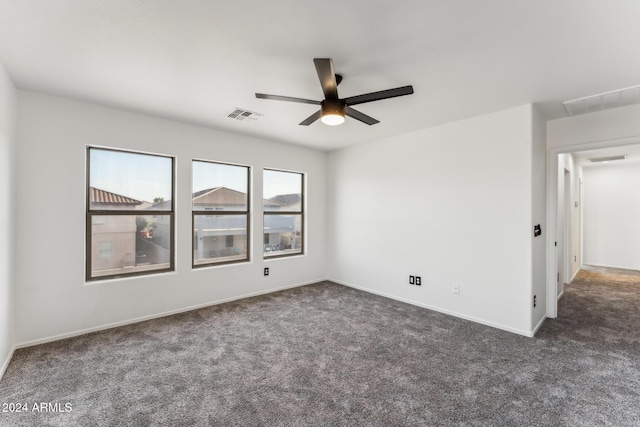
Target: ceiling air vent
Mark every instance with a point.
(242, 114)
(607, 159)
(603, 101)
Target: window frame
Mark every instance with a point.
(300, 213)
(215, 212)
(91, 213)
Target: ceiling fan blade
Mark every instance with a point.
(376, 96)
(348, 111)
(327, 76)
(312, 118)
(287, 98)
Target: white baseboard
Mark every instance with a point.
(438, 309)
(619, 267)
(575, 273)
(535, 330)
(158, 315)
(5, 365)
(560, 296)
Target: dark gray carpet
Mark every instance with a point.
(325, 354)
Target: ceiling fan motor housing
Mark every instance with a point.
(332, 107)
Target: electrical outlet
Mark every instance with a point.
(418, 281)
(412, 280)
(534, 301)
(266, 271)
(456, 288)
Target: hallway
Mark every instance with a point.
(600, 306)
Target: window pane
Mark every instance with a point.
(282, 235)
(129, 181)
(282, 191)
(219, 187)
(124, 244)
(219, 238)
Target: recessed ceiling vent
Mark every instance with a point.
(607, 159)
(242, 114)
(603, 101)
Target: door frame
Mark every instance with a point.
(568, 226)
(552, 209)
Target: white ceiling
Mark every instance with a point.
(198, 60)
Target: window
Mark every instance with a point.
(220, 213)
(105, 249)
(283, 201)
(129, 213)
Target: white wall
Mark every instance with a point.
(52, 298)
(539, 216)
(611, 202)
(450, 203)
(8, 108)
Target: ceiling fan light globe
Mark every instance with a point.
(332, 119)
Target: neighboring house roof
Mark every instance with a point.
(286, 199)
(220, 196)
(270, 202)
(107, 198)
(164, 205)
(144, 205)
(209, 196)
(224, 196)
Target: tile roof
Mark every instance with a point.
(220, 196)
(224, 196)
(209, 196)
(107, 198)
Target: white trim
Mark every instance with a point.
(5, 365)
(114, 279)
(619, 267)
(439, 310)
(575, 273)
(552, 258)
(560, 296)
(284, 257)
(535, 330)
(158, 315)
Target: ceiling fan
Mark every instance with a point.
(333, 109)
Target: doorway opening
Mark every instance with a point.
(565, 242)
